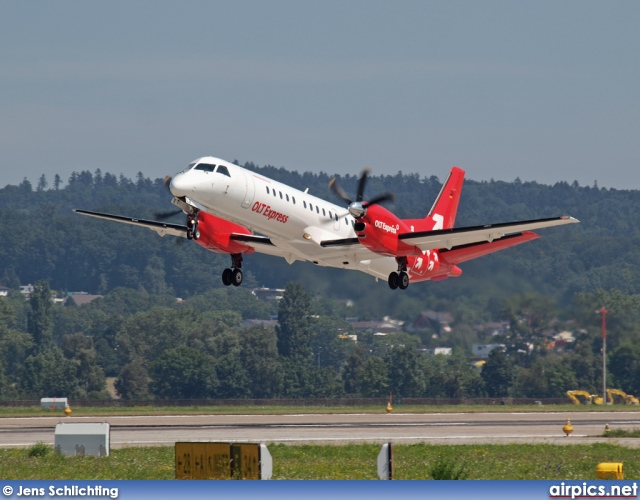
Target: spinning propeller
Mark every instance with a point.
(166, 215)
(159, 216)
(162, 216)
(358, 208)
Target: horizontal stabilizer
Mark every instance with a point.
(450, 238)
(463, 253)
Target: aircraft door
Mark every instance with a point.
(251, 189)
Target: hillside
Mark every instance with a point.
(41, 238)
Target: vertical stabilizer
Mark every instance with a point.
(443, 211)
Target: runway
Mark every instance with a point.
(435, 428)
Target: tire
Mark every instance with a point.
(236, 278)
(393, 280)
(227, 277)
(403, 281)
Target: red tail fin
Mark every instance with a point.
(443, 211)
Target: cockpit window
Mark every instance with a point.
(206, 167)
(223, 170)
(188, 167)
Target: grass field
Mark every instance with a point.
(416, 461)
(6, 411)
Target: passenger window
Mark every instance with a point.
(280, 194)
(223, 170)
(287, 197)
(294, 199)
(324, 213)
(304, 203)
(274, 193)
(317, 209)
(267, 189)
(310, 207)
(330, 215)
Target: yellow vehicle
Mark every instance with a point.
(588, 398)
(627, 398)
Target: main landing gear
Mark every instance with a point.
(399, 279)
(233, 276)
(192, 227)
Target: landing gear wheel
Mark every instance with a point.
(227, 277)
(192, 227)
(236, 277)
(403, 281)
(393, 280)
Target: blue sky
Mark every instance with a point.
(545, 90)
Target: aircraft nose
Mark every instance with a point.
(179, 186)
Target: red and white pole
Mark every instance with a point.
(604, 312)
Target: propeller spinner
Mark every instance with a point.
(358, 208)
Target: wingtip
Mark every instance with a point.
(570, 219)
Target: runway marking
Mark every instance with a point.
(371, 438)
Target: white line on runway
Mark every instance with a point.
(373, 438)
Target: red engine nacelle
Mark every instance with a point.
(215, 235)
(378, 230)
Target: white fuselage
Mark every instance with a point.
(296, 221)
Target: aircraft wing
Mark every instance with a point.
(268, 246)
(344, 242)
(262, 244)
(161, 228)
(253, 240)
(455, 237)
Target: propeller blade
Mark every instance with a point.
(358, 208)
(381, 198)
(165, 215)
(338, 191)
(362, 182)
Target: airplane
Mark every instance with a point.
(232, 210)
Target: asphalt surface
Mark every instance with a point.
(435, 428)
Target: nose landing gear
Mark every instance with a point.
(233, 276)
(192, 227)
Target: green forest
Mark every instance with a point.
(200, 345)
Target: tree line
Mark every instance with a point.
(158, 348)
